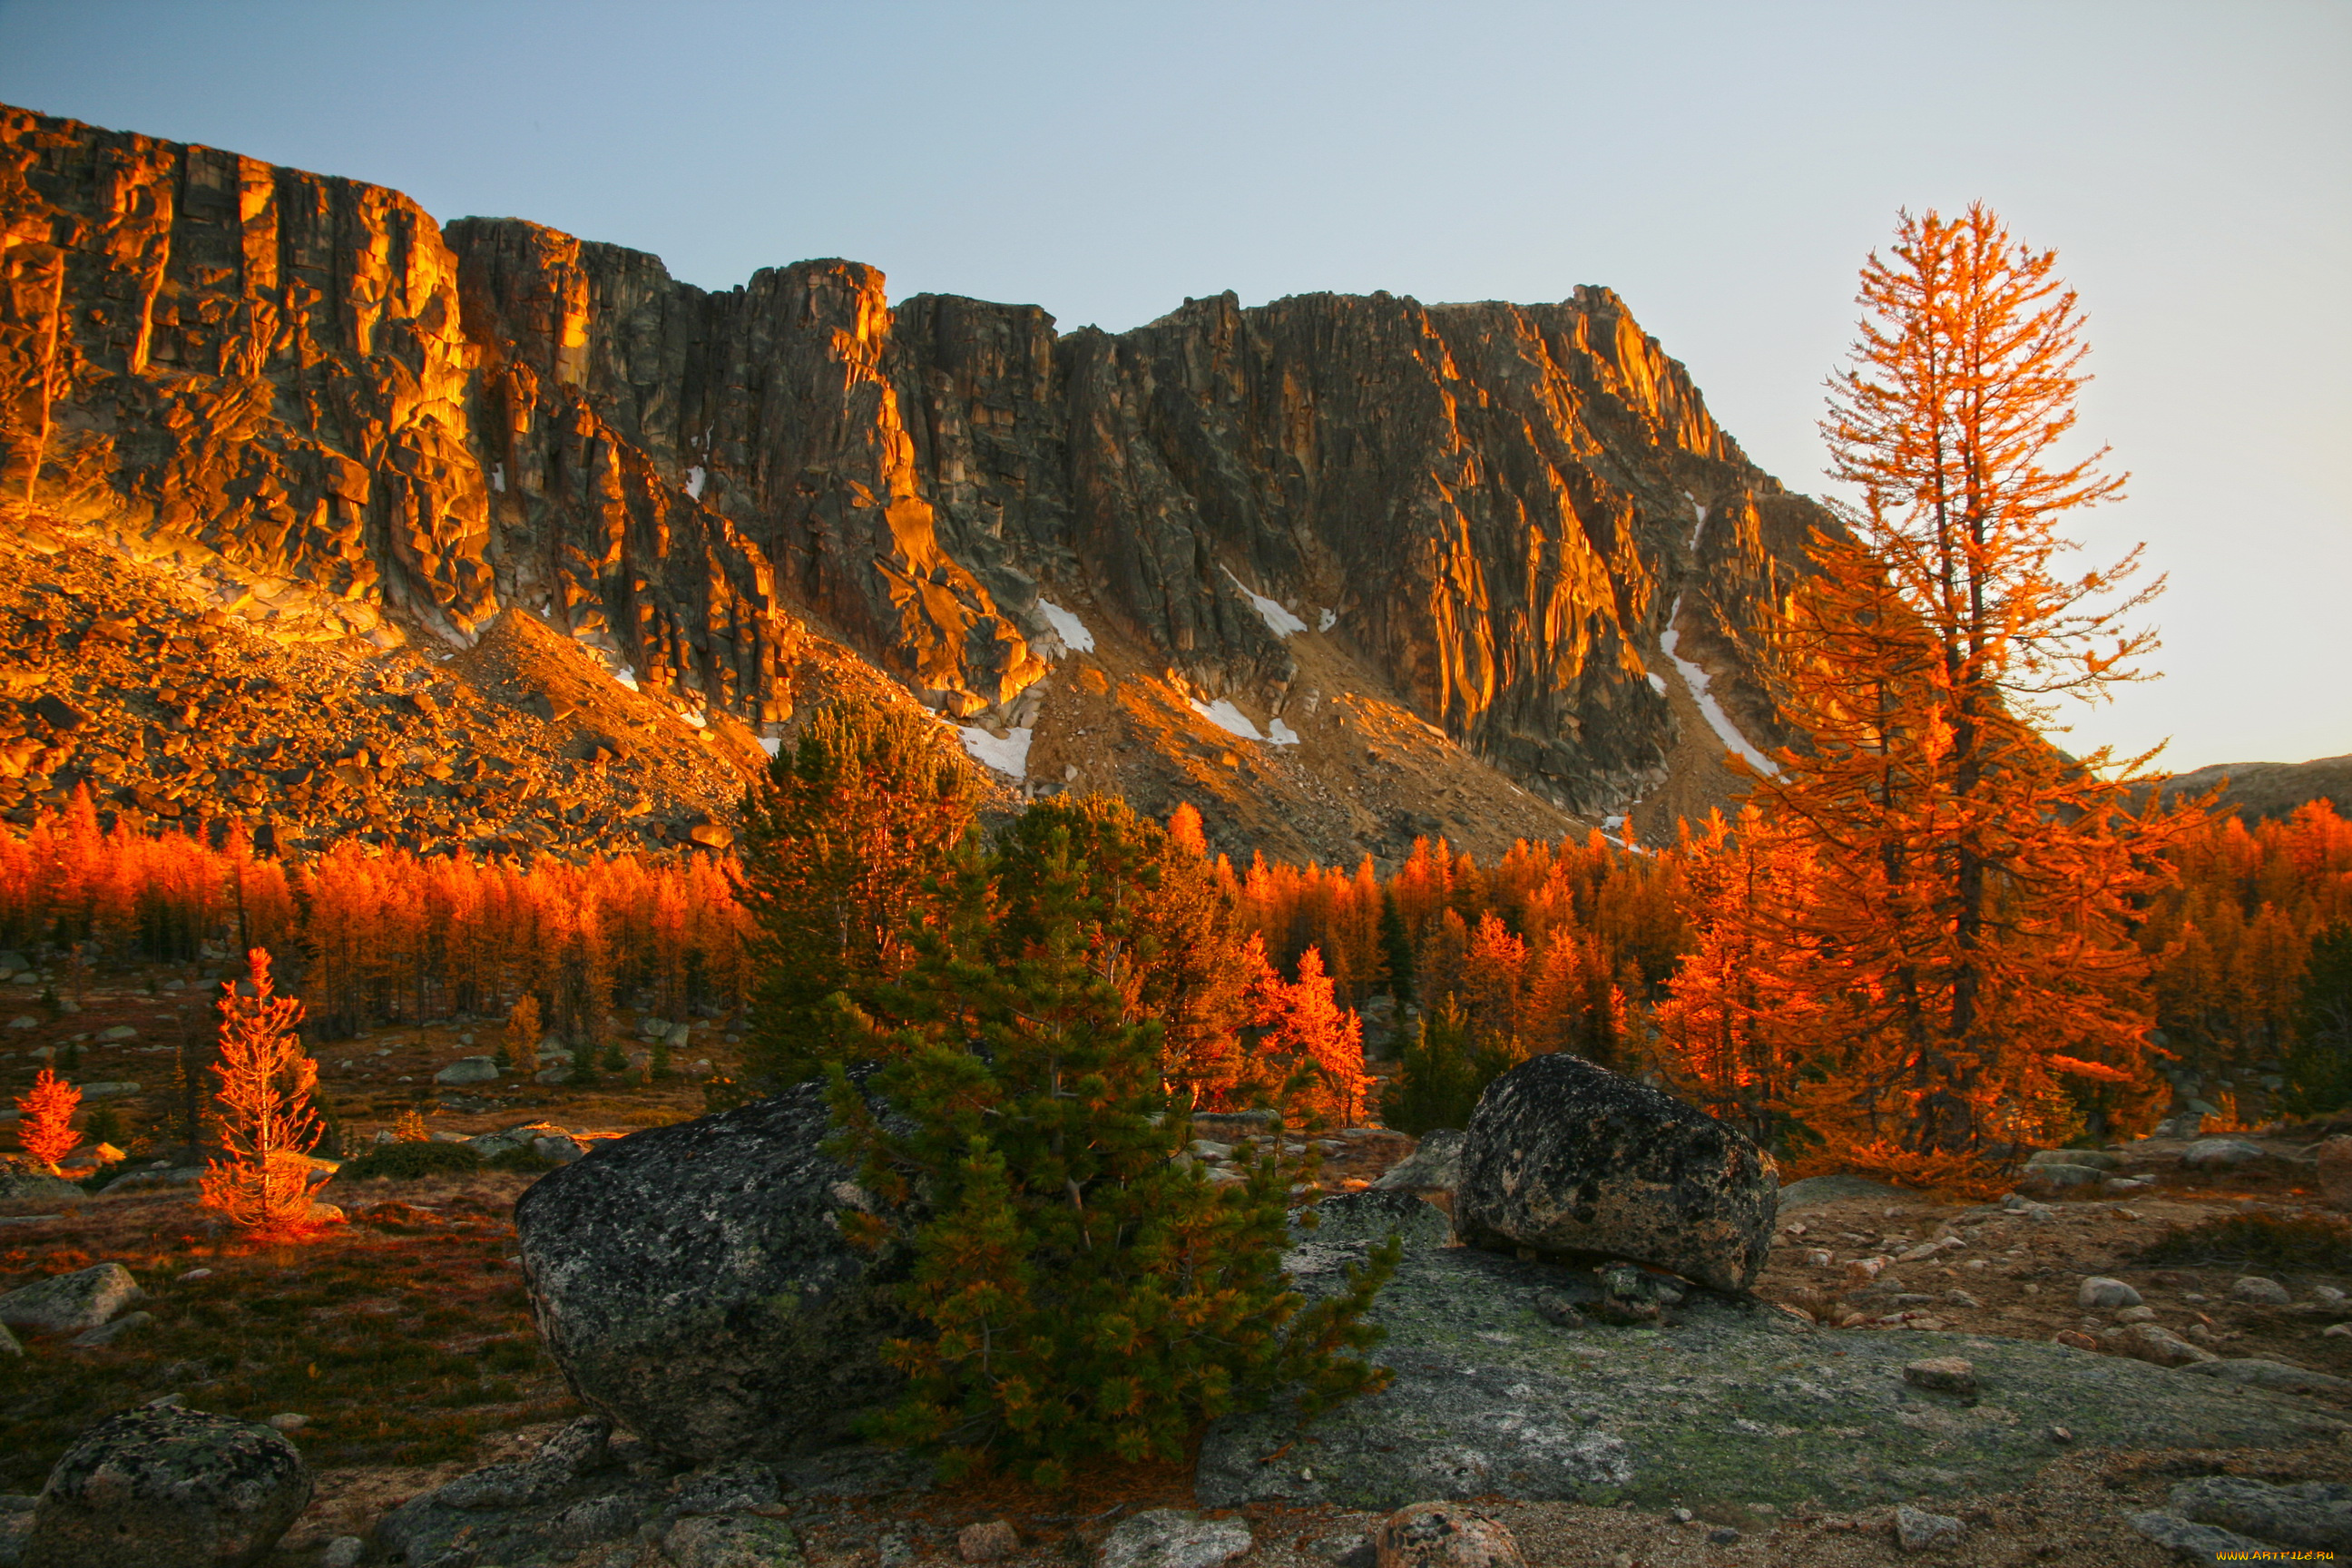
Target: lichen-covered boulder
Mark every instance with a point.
(81, 1300)
(165, 1487)
(1564, 1156)
(693, 1285)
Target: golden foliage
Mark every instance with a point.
(262, 1183)
(46, 1131)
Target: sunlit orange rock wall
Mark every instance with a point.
(312, 377)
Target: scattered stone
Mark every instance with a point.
(1942, 1374)
(1445, 1535)
(1916, 1530)
(1723, 1535)
(2211, 1152)
(1434, 1167)
(2260, 1292)
(987, 1541)
(118, 1034)
(1172, 1538)
(1565, 1156)
(2154, 1345)
(2197, 1543)
(2062, 1178)
(342, 1552)
(1814, 1191)
(82, 1300)
(560, 1149)
(2099, 1293)
(694, 1286)
(2136, 1315)
(2255, 1372)
(107, 1333)
(289, 1421)
(732, 1541)
(468, 1069)
(160, 1487)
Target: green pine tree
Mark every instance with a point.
(1088, 1292)
(841, 838)
(1441, 1073)
(2318, 1066)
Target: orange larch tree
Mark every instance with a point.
(47, 1110)
(1307, 1036)
(1965, 928)
(262, 1183)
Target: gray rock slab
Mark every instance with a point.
(1434, 1167)
(1730, 1400)
(2190, 1541)
(82, 1300)
(468, 1069)
(16, 1184)
(2313, 1515)
(1172, 1538)
(2255, 1372)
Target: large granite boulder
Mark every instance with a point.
(1566, 1157)
(693, 1283)
(165, 1487)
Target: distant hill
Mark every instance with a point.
(2272, 789)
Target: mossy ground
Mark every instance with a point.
(404, 1336)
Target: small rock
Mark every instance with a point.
(82, 1300)
(1445, 1535)
(289, 1421)
(987, 1542)
(342, 1552)
(1942, 1374)
(161, 1487)
(2074, 1339)
(2212, 1151)
(2136, 1315)
(1434, 1166)
(1171, 1538)
(560, 1150)
(2328, 1295)
(2064, 1178)
(2099, 1293)
(2255, 1372)
(2260, 1292)
(1961, 1299)
(1723, 1535)
(1916, 1530)
(107, 1333)
(2147, 1342)
(468, 1069)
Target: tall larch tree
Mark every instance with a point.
(1965, 930)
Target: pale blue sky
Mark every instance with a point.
(1724, 166)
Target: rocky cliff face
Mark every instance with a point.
(1517, 523)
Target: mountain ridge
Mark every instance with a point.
(1516, 523)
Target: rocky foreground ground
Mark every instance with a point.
(397, 1358)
